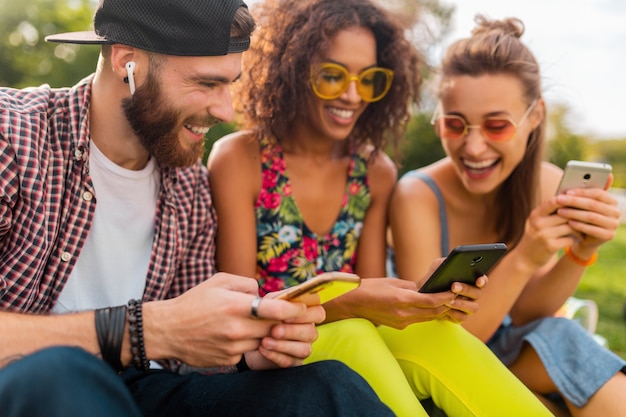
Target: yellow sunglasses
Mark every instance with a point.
(329, 81)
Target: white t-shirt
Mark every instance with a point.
(112, 266)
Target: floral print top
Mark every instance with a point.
(288, 253)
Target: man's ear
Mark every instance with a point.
(123, 61)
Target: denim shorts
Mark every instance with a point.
(576, 363)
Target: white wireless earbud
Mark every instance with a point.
(130, 70)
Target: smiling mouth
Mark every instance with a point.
(341, 113)
(197, 130)
(480, 166)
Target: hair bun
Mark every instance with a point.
(508, 26)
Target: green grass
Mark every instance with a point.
(605, 283)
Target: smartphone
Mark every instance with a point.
(464, 264)
(322, 288)
(581, 174)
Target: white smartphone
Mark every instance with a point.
(582, 174)
(322, 288)
(465, 263)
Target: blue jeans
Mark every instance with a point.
(69, 382)
(63, 382)
(576, 363)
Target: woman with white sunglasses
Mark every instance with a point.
(304, 190)
(493, 186)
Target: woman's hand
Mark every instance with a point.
(593, 217)
(465, 302)
(581, 218)
(397, 303)
(545, 233)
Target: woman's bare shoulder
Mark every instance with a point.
(239, 143)
(437, 171)
(381, 168)
(240, 148)
(548, 168)
(550, 178)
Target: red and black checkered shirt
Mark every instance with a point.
(47, 203)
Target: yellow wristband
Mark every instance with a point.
(580, 261)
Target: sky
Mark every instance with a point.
(581, 49)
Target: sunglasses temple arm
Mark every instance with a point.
(435, 116)
(529, 110)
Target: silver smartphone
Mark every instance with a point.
(582, 174)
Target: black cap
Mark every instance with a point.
(170, 27)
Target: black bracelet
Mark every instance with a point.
(135, 328)
(110, 323)
(242, 365)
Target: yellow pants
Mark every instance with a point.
(436, 359)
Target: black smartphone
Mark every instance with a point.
(464, 264)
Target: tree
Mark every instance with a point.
(421, 145)
(415, 13)
(26, 59)
(563, 145)
(614, 153)
(216, 132)
(427, 23)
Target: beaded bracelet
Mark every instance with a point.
(110, 323)
(135, 328)
(580, 261)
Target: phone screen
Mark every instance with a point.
(322, 288)
(325, 292)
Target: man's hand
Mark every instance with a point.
(212, 325)
(289, 342)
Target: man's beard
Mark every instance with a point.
(156, 125)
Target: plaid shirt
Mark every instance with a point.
(47, 204)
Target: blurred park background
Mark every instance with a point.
(26, 60)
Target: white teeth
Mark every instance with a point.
(479, 164)
(198, 130)
(344, 114)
